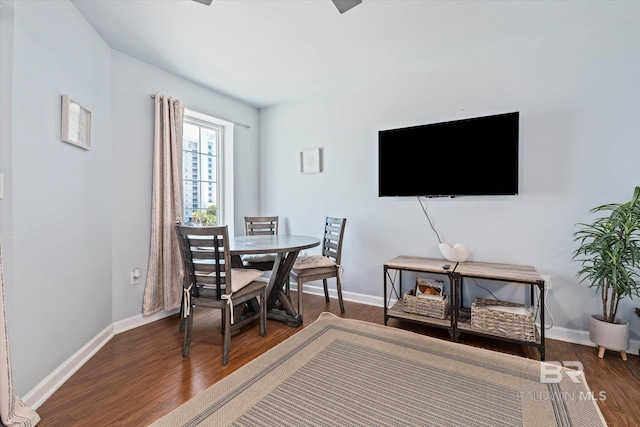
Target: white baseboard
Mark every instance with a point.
(347, 296)
(139, 320)
(54, 381)
(41, 392)
(582, 337)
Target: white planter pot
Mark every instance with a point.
(612, 336)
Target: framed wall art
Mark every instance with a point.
(76, 123)
(311, 160)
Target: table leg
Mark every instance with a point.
(236, 261)
(279, 306)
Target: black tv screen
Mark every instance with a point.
(470, 157)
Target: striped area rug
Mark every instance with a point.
(341, 372)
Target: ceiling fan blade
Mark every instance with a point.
(207, 2)
(344, 5)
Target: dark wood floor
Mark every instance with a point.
(140, 375)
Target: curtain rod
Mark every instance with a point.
(221, 118)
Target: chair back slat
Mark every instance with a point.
(211, 281)
(333, 229)
(199, 253)
(260, 225)
(330, 245)
(206, 258)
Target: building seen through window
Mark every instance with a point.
(201, 165)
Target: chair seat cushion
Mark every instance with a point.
(318, 273)
(313, 261)
(241, 277)
(259, 258)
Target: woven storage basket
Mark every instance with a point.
(511, 325)
(424, 306)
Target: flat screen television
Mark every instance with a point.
(470, 157)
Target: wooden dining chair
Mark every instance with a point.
(209, 281)
(260, 226)
(325, 266)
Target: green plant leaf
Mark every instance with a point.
(609, 252)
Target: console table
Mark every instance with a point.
(457, 321)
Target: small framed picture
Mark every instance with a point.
(76, 123)
(311, 160)
(429, 288)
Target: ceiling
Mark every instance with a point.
(266, 52)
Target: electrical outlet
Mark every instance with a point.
(135, 276)
(547, 281)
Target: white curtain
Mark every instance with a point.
(13, 411)
(163, 288)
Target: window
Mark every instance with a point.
(202, 143)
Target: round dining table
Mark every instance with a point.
(286, 247)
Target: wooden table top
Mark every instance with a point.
(243, 245)
(484, 270)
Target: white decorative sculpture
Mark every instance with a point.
(458, 253)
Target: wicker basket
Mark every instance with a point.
(424, 306)
(511, 325)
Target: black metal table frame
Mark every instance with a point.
(456, 282)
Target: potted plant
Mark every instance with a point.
(609, 254)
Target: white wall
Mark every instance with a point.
(133, 83)
(579, 100)
(57, 207)
(76, 222)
